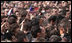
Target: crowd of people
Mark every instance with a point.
(35, 21)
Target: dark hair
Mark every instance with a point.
(3, 17)
(35, 21)
(27, 26)
(52, 18)
(13, 28)
(20, 36)
(41, 39)
(54, 38)
(65, 24)
(13, 16)
(35, 29)
(12, 19)
(54, 32)
(23, 14)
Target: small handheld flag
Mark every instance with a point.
(36, 8)
(31, 9)
(10, 12)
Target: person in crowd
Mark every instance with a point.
(35, 21)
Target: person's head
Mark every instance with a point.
(35, 31)
(23, 13)
(35, 4)
(2, 13)
(17, 14)
(27, 25)
(21, 37)
(15, 9)
(14, 39)
(6, 26)
(69, 2)
(51, 4)
(41, 40)
(40, 21)
(6, 11)
(67, 14)
(20, 5)
(52, 19)
(43, 10)
(3, 19)
(55, 11)
(64, 3)
(14, 28)
(62, 31)
(39, 3)
(54, 38)
(26, 6)
(11, 5)
(64, 26)
(54, 32)
(12, 19)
